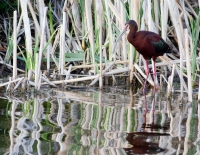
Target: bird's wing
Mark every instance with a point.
(159, 44)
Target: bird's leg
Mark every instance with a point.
(154, 75)
(145, 118)
(147, 75)
(154, 89)
(144, 88)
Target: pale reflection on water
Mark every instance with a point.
(90, 122)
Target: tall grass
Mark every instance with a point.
(195, 38)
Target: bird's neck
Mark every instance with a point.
(131, 35)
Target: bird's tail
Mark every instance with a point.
(173, 51)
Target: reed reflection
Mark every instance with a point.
(97, 122)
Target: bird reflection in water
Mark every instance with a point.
(140, 143)
(147, 140)
(151, 115)
(152, 126)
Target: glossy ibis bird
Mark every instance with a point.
(149, 44)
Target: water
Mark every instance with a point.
(114, 121)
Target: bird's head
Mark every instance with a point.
(131, 25)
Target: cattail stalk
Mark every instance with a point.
(62, 44)
(189, 76)
(37, 26)
(110, 34)
(40, 7)
(199, 90)
(174, 12)
(99, 9)
(42, 41)
(123, 20)
(164, 17)
(115, 12)
(15, 45)
(88, 12)
(27, 26)
(36, 71)
(199, 4)
(156, 9)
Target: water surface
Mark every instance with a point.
(114, 121)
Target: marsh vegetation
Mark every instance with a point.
(67, 89)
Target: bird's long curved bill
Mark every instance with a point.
(120, 36)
